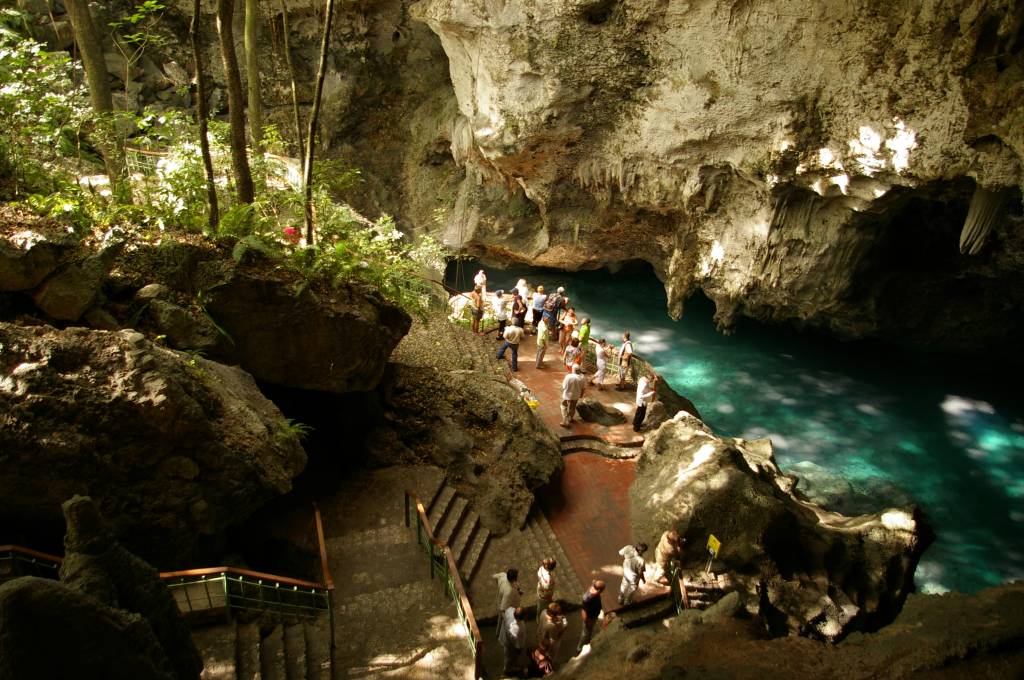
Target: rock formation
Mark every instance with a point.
(805, 570)
(445, 404)
(945, 637)
(110, 617)
(172, 447)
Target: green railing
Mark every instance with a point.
(442, 563)
(16, 561)
(232, 589)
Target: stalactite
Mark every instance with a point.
(986, 209)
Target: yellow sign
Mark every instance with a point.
(713, 545)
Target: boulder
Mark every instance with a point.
(48, 630)
(185, 329)
(27, 257)
(69, 293)
(171, 447)
(96, 564)
(593, 411)
(330, 339)
(804, 569)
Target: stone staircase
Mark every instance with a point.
(266, 650)
(457, 525)
(542, 539)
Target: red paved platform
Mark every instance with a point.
(546, 384)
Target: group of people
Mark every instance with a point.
(551, 620)
(553, 318)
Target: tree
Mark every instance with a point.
(252, 73)
(295, 88)
(90, 46)
(307, 174)
(202, 114)
(236, 103)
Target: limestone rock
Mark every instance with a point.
(27, 257)
(184, 329)
(593, 411)
(327, 339)
(804, 570)
(171, 447)
(48, 630)
(68, 294)
(97, 565)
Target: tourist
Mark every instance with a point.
(573, 386)
(633, 567)
(542, 342)
(590, 611)
(500, 312)
(476, 307)
(545, 585)
(646, 388)
(553, 306)
(513, 336)
(523, 289)
(601, 351)
(512, 637)
(568, 325)
(573, 354)
(538, 305)
(540, 664)
(585, 333)
(480, 281)
(509, 593)
(625, 358)
(551, 626)
(670, 548)
(519, 309)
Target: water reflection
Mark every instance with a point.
(863, 428)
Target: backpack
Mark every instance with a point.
(553, 302)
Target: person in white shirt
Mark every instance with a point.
(500, 311)
(646, 388)
(513, 336)
(601, 351)
(542, 342)
(572, 389)
(625, 358)
(545, 585)
(481, 280)
(512, 637)
(633, 567)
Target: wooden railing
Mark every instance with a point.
(442, 562)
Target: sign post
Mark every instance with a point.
(713, 547)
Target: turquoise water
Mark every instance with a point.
(893, 425)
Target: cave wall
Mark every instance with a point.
(763, 152)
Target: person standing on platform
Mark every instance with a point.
(670, 547)
(551, 626)
(585, 333)
(480, 281)
(625, 359)
(633, 567)
(542, 342)
(509, 593)
(568, 325)
(518, 309)
(500, 312)
(513, 336)
(572, 355)
(646, 389)
(476, 306)
(538, 305)
(545, 585)
(573, 386)
(601, 351)
(591, 612)
(512, 637)
(523, 289)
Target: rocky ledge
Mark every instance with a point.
(803, 570)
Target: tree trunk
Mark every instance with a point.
(90, 46)
(252, 74)
(202, 114)
(236, 103)
(295, 89)
(307, 175)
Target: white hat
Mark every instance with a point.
(561, 290)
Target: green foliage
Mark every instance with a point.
(293, 430)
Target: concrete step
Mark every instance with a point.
(567, 583)
(474, 553)
(217, 645)
(248, 651)
(463, 537)
(294, 652)
(452, 520)
(272, 665)
(440, 507)
(318, 648)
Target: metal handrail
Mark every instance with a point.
(443, 562)
(238, 571)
